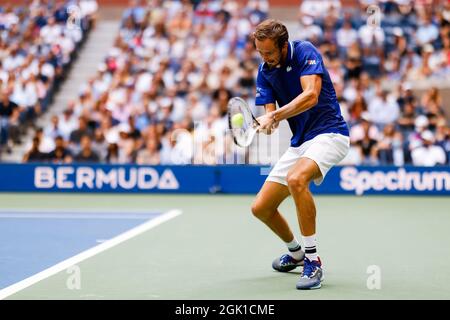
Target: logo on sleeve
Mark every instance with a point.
(311, 62)
(289, 68)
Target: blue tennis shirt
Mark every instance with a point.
(282, 85)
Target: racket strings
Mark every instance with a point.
(244, 134)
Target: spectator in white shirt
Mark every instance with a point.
(307, 30)
(319, 8)
(177, 147)
(14, 59)
(53, 130)
(428, 154)
(88, 8)
(346, 36)
(357, 131)
(46, 69)
(68, 122)
(383, 109)
(46, 145)
(427, 31)
(51, 31)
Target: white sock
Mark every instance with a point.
(310, 247)
(294, 249)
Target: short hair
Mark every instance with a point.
(272, 29)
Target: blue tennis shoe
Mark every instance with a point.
(287, 263)
(312, 275)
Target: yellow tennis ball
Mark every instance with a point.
(238, 120)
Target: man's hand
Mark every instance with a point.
(267, 123)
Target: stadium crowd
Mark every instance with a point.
(37, 46)
(160, 97)
(375, 56)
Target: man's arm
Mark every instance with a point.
(312, 85)
(270, 107)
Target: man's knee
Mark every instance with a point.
(261, 211)
(298, 181)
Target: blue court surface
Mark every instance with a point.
(32, 241)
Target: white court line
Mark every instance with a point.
(72, 211)
(12, 289)
(85, 215)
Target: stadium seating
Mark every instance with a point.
(160, 96)
(38, 45)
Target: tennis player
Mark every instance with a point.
(293, 75)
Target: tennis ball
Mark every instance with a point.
(238, 120)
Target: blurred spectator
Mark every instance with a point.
(319, 8)
(86, 154)
(415, 140)
(112, 156)
(367, 145)
(67, 123)
(60, 154)
(383, 109)
(358, 107)
(46, 143)
(389, 148)
(428, 154)
(424, 70)
(307, 30)
(177, 147)
(89, 10)
(127, 144)
(149, 155)
(427, 32)
(82, 130)
(443, 137)
(135, 12)
(407, 118)
(99, 144)
(53, 130)
(432, 106)
(33, 154)
(346, 35)
(358, 131)
(353, 62)
(7, 109)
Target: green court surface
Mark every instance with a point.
(216, 249)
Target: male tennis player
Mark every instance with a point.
(293, 74)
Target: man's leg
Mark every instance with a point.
(265, 208)
(298, 179)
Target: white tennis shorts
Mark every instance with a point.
(326, 150)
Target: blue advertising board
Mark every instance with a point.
(231, 179)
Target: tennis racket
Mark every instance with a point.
(242, 135)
